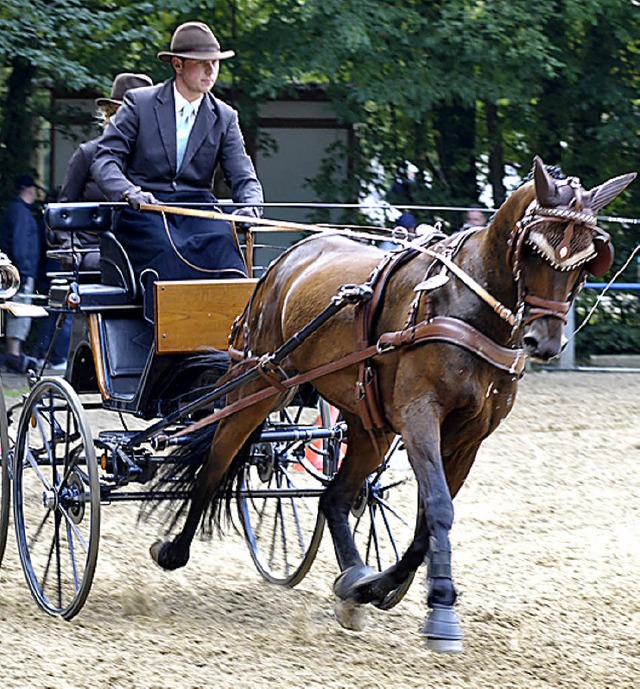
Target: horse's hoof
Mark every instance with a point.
(155, 551)
(443, 630)
(344, 586)
(444, 646)
(350, 615)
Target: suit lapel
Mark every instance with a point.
(166, 118)
(205, 121)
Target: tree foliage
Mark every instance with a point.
(459, 89)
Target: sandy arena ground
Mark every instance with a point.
(546, 561)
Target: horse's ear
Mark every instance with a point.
(544, 184)
(600, 196)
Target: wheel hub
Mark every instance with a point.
(50, 499)
(72, 496)
(361, 501)
(266, 462)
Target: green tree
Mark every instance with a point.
(48, 44)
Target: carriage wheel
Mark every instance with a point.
(56, 498)
(278, 494)
(5, 458)
(385, 515)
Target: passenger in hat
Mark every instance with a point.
(21, 243)
(78, 183)
(164, 146)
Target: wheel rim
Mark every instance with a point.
(56, 498)
(278, 493)
(5, 458)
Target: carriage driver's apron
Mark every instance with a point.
(197, 247)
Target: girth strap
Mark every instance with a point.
(368, 396)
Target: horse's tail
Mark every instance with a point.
(173, 484)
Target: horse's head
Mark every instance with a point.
(554, 245)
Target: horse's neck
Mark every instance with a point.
(496, 239)
(511, 212)
(484, 256)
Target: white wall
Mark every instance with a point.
(302, 132)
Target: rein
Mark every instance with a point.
(437, 328)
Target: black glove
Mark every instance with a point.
(134, 197)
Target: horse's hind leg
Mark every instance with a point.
(229, 439)
(361, 459)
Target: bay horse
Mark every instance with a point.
(451, 322)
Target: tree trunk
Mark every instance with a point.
(16, 135)
(455, 127)
(496, 159)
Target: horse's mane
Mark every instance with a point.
(515, 205)
(554, 170)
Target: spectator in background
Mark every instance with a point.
(79, 184)
(45, 328)
(21, 243)
(405, 228)
(473, 218)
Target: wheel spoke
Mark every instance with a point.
(34, 538)
(34, 465)
(74, 528)
(283, 532)
(384, 504)
(385, 519)
(45, 575)
(76, 581)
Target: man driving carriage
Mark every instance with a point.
(163, 146)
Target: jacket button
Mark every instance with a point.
(174, 184)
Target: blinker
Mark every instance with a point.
(603, 260)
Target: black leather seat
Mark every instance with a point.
(115, 266)
(115, 285)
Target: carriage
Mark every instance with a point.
(426, 343)
(158, 374)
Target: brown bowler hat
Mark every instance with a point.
(194, 41)
(121, 84)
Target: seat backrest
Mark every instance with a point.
(115, 266)
(85, 217)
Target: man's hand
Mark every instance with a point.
(135, 197)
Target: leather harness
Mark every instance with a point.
(432, 328)
(436, 329)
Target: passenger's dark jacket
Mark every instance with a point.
(138, 148)
(79, 184)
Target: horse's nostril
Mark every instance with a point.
(530, 342)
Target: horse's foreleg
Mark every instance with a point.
(442, 628)
(359, 461)
(229, 439)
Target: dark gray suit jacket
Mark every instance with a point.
(78, 183)
(138, 148)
